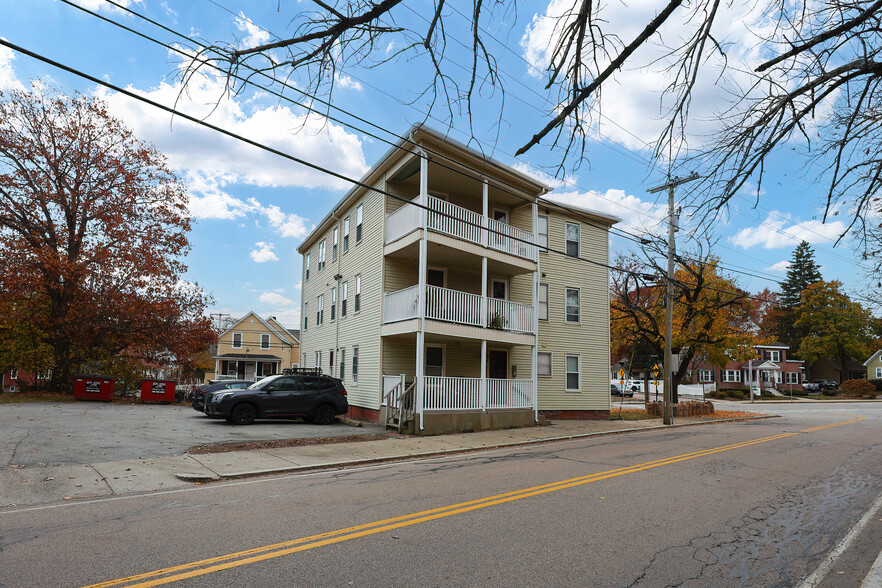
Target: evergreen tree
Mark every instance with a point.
(802, 273)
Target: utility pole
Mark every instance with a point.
(220, 320)
(669, 292)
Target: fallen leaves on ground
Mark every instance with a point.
(278, 443)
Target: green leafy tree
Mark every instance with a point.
(835, 326)
(803, 272)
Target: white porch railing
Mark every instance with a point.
(401, 305)
(509, 316)
(464, 224)
(402, 221)
(454, 306)
(443, 393)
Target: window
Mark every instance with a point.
(237, 340)
(774, 355)
(331, 366)
(572, 372)
(359, 212)
(572, 305)
(343, 296)
(879, 373)
(307, 266)
(777, 376)
(305, 315)
(791, 377)
(434, 361)
(543, 302)
(705, 376)
(732, 376)
(318, 359)
(13, 374)
(265, 341)
(355, 364)
(572, 240)
(333, 303)
(357, 293)
(345, 234)
(320, 310)
(542, 232)
(334, 246)
(544, 363)
(321, 256)
(342, 363)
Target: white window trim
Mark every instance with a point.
(346, 234)
(578, 239)
(566, 318)
(334, 250)
(356, 307)
(435, 268)
(354, 375)
(318, 359)
(443, 347)
(241, 341)
(268, 341)
(728, 373)
(359, 222)
(705, 376)
(322, 253)
(792, 378)
(344, 297)
(319, 310)
(878, 373)
(550, 364)
(540, 235)
(539, 302)
(567, 372)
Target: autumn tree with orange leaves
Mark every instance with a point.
(713, 318)
(93, 230)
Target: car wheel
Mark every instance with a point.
(243, 414)
(324, 415)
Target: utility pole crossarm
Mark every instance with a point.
(669, 290)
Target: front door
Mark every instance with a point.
(497, 364)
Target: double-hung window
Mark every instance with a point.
(792, 377)
(705, 376)
(359, 213)
(732, 376)
(357, 293)
(237, 340)
(543, 302)
(355, 364)
(331, 366)
(879, 373)
(306, 273)
(334, 245)
(345, 234)
(321, 256)
(342, 363)
(544, 363)
(572, 372)
(774, 355)
(305, 315)
(572, 240)
(320, 310)
(343, 296)
(542, 232)
(333, 303)
(572, 305)
(318, 359)
(264, 341)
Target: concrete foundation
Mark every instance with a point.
(436, 423)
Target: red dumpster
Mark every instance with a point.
(89, 387)
(158, 390)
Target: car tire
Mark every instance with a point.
(243, 414)
(324, 415)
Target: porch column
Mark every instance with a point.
(424, 188)
(483, 397)
(485, 212)
(420, 372)
(485, 317)
(421, 293)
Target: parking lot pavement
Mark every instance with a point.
(66, 433)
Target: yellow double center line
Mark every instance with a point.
(242, 558)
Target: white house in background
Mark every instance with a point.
(451, 296)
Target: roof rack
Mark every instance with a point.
(316, 371)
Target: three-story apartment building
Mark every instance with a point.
(445, 289)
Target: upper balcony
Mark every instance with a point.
(464, 224)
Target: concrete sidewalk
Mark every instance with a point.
(30, 485)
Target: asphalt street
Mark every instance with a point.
(743, 504)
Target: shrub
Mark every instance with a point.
(857, 389)
(878, 384)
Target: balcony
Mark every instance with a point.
(444, 304)
(461, 223)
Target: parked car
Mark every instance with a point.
(197, 396)
(820, 385)
(315, 398)
(616, 390)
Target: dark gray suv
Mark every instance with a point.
(314, 398)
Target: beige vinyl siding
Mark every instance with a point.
(589, 339)
(400, 274)
(362, 328)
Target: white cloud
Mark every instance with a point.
(263, 253)
(287, 317)
(546, 178)
(288, 225)
(781, 266)
(779, 230)
(191, 148)
(97, 5)
(254, 35)
(8, 81)
(638, 216)
(346, 82)
(275, 299)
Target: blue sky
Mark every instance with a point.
(252, 209)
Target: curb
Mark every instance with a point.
(374, 460)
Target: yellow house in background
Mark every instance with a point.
(254, 348)
(874, 366)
